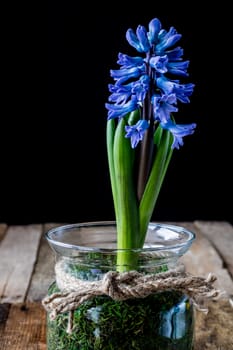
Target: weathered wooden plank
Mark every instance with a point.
(220, 234)
(25, 328)
(43, 274)
(214, 330)
(4, 311)
(202, 259)
(3, 228)
(18, 254)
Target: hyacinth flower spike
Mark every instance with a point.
(141, 129)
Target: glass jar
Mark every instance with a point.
(163, 320)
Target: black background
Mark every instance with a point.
(53, 153)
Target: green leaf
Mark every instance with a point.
(134, 117)
(110, 133)
(158, 135)
(154, 183)
(127, 206)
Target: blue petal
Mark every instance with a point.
(167, 39)
(128, 61)
(141, 87)
(165, 85)
(175, 54)
(133, 40)
(178, 131)
(179, 68)
(142, 37)
(128, 72)
(154, 29)
(118, 111)
(182, 91)
(163, 106)
(120, 94)
(159, 63)
(136, 132)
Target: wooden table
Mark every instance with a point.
(26, 271)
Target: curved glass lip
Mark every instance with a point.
(190, 237)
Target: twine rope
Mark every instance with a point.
(123, 286)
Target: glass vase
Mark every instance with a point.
(162, 320)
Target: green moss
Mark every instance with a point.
(163, 321)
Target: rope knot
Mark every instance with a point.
(109, 285)
(117, 285)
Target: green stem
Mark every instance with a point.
(145, 160)
(127, 208)
(154, 183)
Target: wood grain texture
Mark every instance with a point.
(25, 328)
(43, 274)
(4, 311)
(18, 255)
(214, 330)
(202, 258)
(220, 234)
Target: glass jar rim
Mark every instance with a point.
(185, 238)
